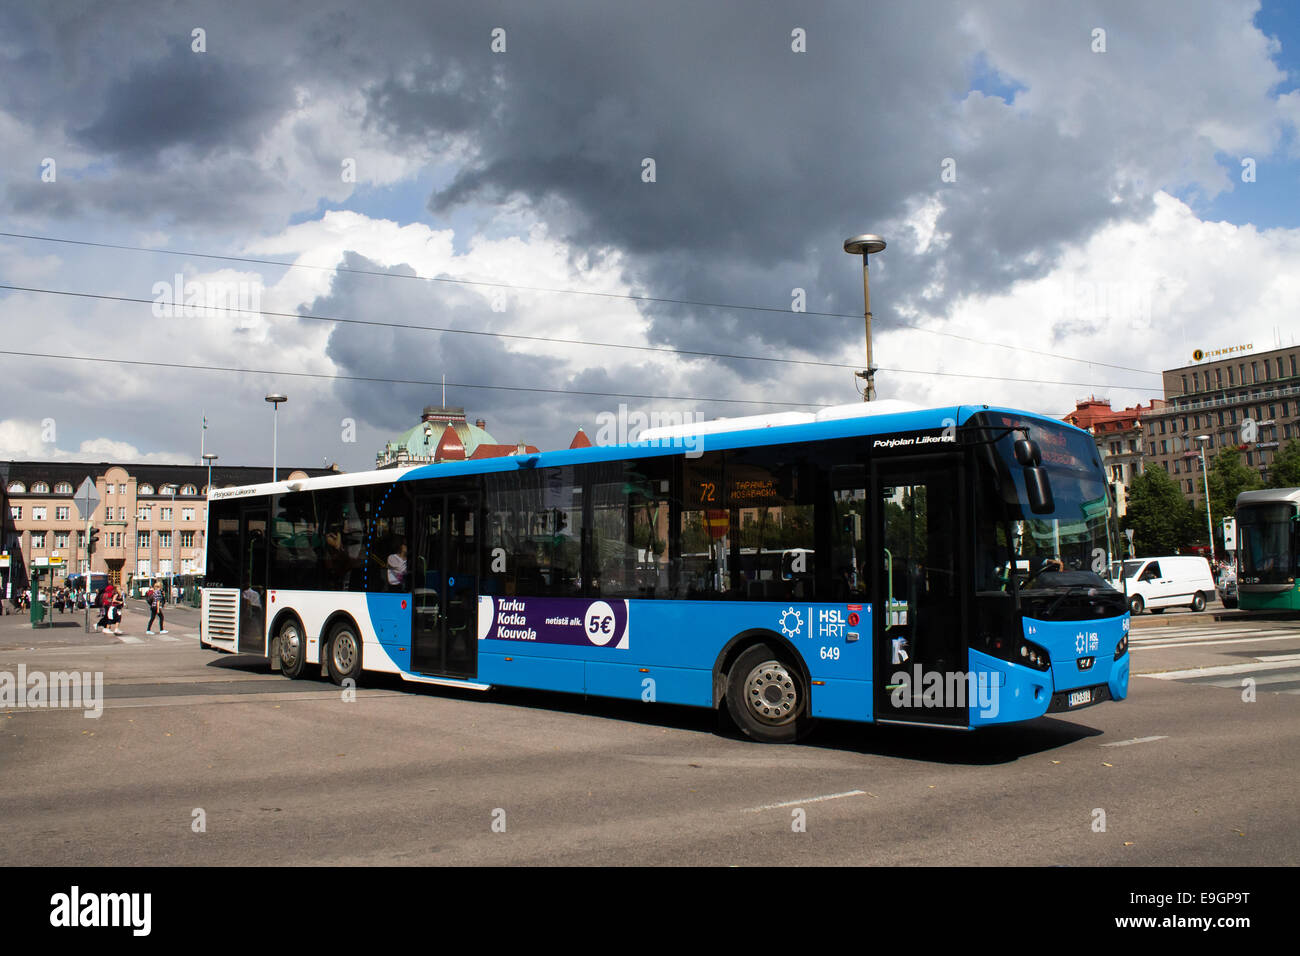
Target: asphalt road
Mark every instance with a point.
(1185, 772)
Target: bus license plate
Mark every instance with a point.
(1080, 697)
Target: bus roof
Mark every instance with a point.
(1269, 496)
(836, 421)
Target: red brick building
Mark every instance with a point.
(1118, 434)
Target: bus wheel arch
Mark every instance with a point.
(761, 662)
(288, 645)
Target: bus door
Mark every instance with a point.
(444, 567)
(920, 621)
(252, 589)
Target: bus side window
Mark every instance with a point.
(628, 546)
(849, 572)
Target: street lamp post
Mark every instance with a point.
(209, 457)
(1209, 524)
(864, 245)
(172, 537)
(275, 398)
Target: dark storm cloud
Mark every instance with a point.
(199, 102)
(388, 353)
(548, 420)
(766, 159)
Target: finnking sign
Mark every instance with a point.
(1200, 355)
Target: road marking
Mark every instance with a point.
(1263, 664)
(1263, 680)
(128, 640)
(1136, 740)
(190, 700)
(1234, 640)
(799, 803)
(1201, 633)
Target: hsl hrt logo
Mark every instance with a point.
(830, 623)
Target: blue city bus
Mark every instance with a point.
(875, 562)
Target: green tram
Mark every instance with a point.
(1268, 549)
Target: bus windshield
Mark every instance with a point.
(1071, 546)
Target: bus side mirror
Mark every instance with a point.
(1028, 453)
(1039, 490)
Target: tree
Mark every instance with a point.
(1285, 470)
(1162, 520)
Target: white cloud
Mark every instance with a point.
(24, 439)
(1142, 295)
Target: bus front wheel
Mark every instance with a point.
(343, 656)
(767, 698)
(292, 649)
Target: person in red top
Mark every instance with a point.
(106, 607)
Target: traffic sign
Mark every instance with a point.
(87, 498)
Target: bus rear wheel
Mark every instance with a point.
(292, 649)
(343, 655)
(767, 698)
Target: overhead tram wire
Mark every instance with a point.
(401, 381)
(785, 310)
(434, 328)
(558, 391)
(552, 340)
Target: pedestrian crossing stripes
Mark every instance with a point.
(1170, 637)
(1278, 673)
(155, 638)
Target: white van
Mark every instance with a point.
(1158, 583)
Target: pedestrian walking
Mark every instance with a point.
(155, 598)
(105, 602)
(119, 605)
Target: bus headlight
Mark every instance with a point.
(1031, 655)
(1122, 647)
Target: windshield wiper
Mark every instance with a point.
(1070, 589)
